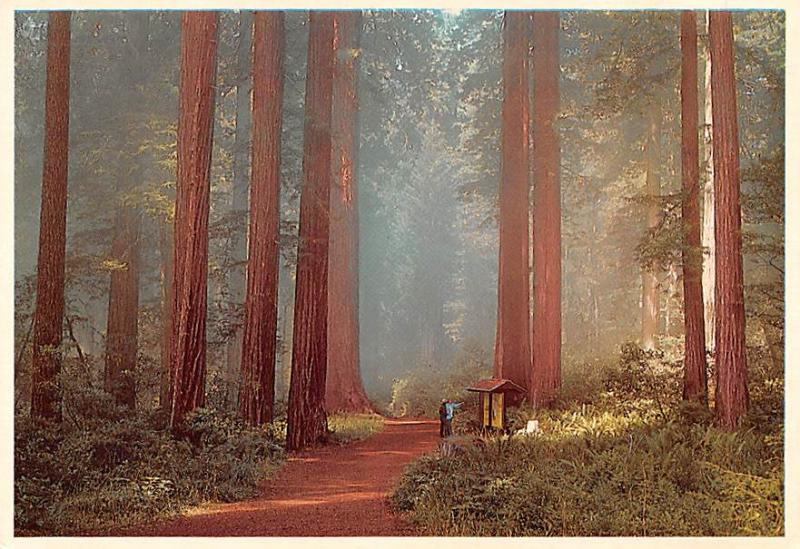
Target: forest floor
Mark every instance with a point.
(326, 491)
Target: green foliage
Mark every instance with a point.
(421, 391)
(620, 463)
(105, 471)
(344, 428)
(644, 377)
(92, 475)
(582, 380)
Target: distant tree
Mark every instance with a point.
(344, 389)
(238, 203)
(306, 418)
(123, 297)
(196, 112)
(694, 369)
(428, 207)
(628, 67)
(257, 394)
(546, 372)
(732, 397)
(709, 254)
(512, 344)
(49, 313)
(123, 305)
(650, 298)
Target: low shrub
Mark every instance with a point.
(345, 428)
(79, 478)
(90, 476)
(419, 393)
(650, 480)
(632, 460)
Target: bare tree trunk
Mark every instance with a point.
(286, 349)
(546, 373)
(257, 396)
(48, 315)
(731, 359)
(344, 390)
(190, 282)
(241, 148)
(695, 385)
(512, 358)
(593, 288)
(306, 419)
(709, 256)
(650, 301)
(123, 309)
(167, 273)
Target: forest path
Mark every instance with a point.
(326, 491)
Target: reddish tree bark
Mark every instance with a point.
(650, 301)
(123, 309)
(257, 394)
(196, 113)
(512, 358)
(344, 390)
(306, 418)
(546, 371)
(49, 312)
(695, 386)
(166, 238)
(731, 361)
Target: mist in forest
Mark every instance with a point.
(428, 169)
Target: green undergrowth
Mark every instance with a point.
(627, 458)
(344, 428)
(419, 392)
(103, 474)
(104, 469)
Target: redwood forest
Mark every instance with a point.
(387, 272)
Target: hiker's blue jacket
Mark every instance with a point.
(450, 408)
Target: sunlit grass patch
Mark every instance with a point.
(596, 475)
(345, 427)
(622, 463)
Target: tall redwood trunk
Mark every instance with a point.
(709, 256)
(167, 273)
(306, 419)
(512, 358)
(344, 390)
(731, 362)
(123, 309)
(49, 313)
(650, 301)
(241, 150)
(695, 385)
(196, 113)
(546, 372)
(257, 394)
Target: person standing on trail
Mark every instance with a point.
(443, 418)
(446, 411)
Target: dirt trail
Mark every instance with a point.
(329, 491)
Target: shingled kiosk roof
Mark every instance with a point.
(495, 385)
